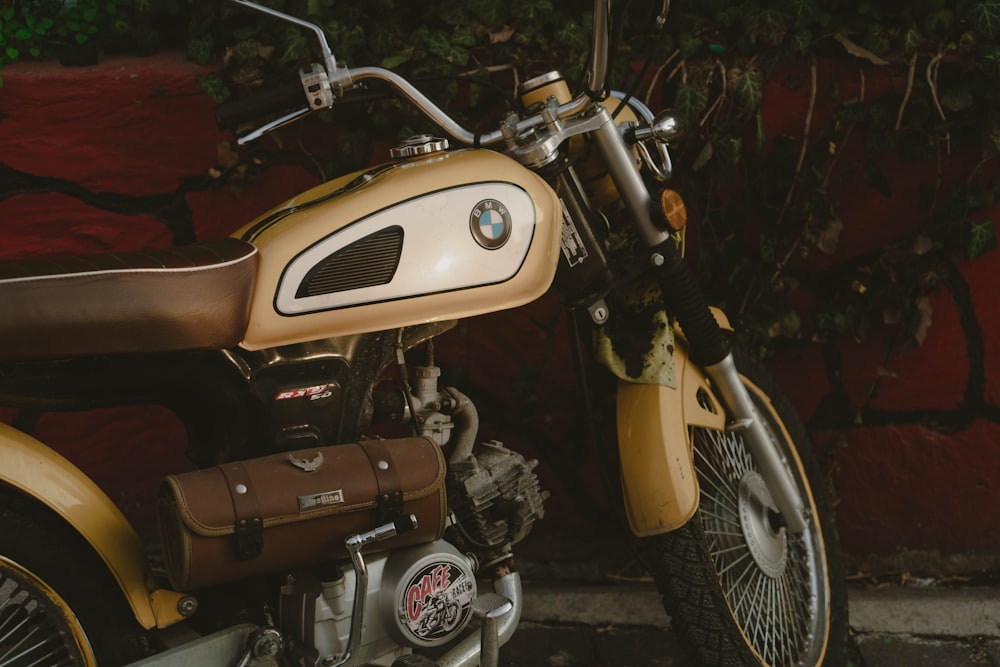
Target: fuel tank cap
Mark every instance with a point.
(416, 146)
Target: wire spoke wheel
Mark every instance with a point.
(36, 626)
(773, 580)
(743, 589)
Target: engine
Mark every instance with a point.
(493, 492)
(424, 596)
(495, 497)
(416, 598)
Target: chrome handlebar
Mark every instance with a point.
(341, 79)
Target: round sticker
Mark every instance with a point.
(490, 224)
(438, 600)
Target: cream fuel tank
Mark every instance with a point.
(435, 235)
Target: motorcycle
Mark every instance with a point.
(303, 538)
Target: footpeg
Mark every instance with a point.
(490, 608)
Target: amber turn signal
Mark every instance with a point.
(674, 210)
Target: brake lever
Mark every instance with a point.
(273, 125)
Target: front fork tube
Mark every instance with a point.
(709, 347)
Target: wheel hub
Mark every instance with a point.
(767, 542)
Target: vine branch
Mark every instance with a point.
(910, 75)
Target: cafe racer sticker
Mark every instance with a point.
(490, 224)
(437, 601)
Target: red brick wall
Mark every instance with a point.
(122, 147)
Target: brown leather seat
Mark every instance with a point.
(189, 297)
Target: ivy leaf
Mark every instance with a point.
(768, 25)
(876, 178)
(801, 40)
(912, 40)
(985, 16)
(981, 238)
(214, 87)
(805, 11)
(690, 45)
(394, 61)
(318, 7)
(573, 35)
(463, 37)
(994, 138)
(440, 45)
(939, 22)
(690, 102)
(200, 49)
(747, 88)
(295, 49)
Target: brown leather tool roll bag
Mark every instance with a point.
(248, 518)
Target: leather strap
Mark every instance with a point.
(390, 493)
(248, 520)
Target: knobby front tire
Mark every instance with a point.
(740, 589)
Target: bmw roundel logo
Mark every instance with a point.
(490, 224)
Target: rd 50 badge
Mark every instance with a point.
(490, 224)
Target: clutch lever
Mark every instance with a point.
(317, 91)
(273, 125)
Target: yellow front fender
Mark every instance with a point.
(657, 466)
(39, 472)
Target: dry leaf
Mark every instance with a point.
(501, 36)
(225, 156)
(703, 157)
(926, 310)
(922, 245)
(829, 238)
(860, 52)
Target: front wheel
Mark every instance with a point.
(740, 588)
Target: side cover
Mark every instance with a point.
(439, 237)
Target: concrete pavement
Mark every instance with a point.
(566, 625)
(589, 603)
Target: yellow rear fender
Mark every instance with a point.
(657, 465)
(37, 471)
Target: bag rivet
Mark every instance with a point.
(241, 489)
(383, 465)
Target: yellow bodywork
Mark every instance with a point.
(39, 472)
(657, 465)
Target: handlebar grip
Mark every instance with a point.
(256, 106)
